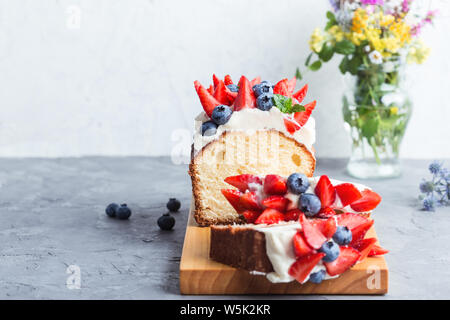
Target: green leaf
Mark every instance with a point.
(354, 64)
(343, 65)
(298, 74)
(315, 65)
(370, 127)
(345, 47)
(285, 104)
(298, 107)
(330, 24)
(330, 16)
(326, 53)
(308, 60)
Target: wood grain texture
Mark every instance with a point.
(200, 275)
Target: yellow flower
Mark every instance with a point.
(373, 35)
(391, 44)
(316, 40)
(401, 30)
(336, 32)
(359, 22)
(386, 20)
(418, 53)
(393, 110)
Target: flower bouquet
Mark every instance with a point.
(375, 40)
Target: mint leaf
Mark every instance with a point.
(284, 104)
(297, 108)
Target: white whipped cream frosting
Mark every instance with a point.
(252, 120)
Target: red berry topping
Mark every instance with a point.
(207, 100)
(368, 202)
(275, 184)
(348, 193)
(365, 246)
(270, 216)
(301, 268)
(276, 202)
(301, 247)
(300, 94)
(377, 251)
(234, 198)
(302, 116)
(292, 215)
(249, 200)
(347, 258)
(313, 235)
(325, 191)
(242, 181)
(245, 97)
(251, 215)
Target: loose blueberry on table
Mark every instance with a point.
(173, 205)
(166, 222)
(123, 212)
(111, 210)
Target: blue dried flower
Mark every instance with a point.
(426, 187)
(429, 203)
(435, 167)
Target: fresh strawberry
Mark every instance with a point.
(347, 258)
(301, 268)
(302, 116)
(211, 89)
(351, 220)
(274, 184)
(377, 251)
(215, 81)
(325, 191)
(249, 200)
(270, 216)
(301, 247)
(326, 213)
(234, 198)
(282, 88)
(291, 85)
(255, 81)
(292, 215)
(245, 97)
(276, 202)
(313, 236)
(365, 246)
(231, 97)
(291, 125)
(228, 80)
(207, 100)
(368, 202)
(242, 181)
(220, 93)
(300, 94)
(251, 215)
(359, 232)
(326, 227)
(348, 193)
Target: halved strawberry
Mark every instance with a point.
(231, 97)
(255, 81)
(302, 116)
(251, 215)
(207, 100)
(364, 247)
(301, 268)
(291, 125)
(347, 258)
(228, 80)
(291, 85)
(351, 220)
(211, 89)
(249, 200)
(325, 191)
(234, 198)
(282, 88)
(377, 251)
(348, 193)
(313, 235)
(215, 81)
(301, 247)
(245, 97)
(242, 181)
(270, 216)
(326, 213)
(359, 232)
(368, 202)
(292, 215)
(275, 184)
(276, 202)
(300, 94)
(327, 227)
(220, 93)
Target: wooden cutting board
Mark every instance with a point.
(200, 275)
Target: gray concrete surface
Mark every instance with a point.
(52, 216)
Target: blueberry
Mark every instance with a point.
(331, 250)
(233, 88)
(264, 102)
(309, 203)
(221, 114)
(209, 128)
(263, 87)
(111, 209)
(166, 222)
(123, 212)
(317, 277)
(173, 205)
(297, 183)
(342, 236)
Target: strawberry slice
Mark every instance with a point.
(276, 202)
(206, 99)
(249, 200)
(215, 81)
(291, 125)
(275, 184)
(301, 247)
(251, 215)
(313, 236)
(245, 97)
(377, 251)
(234, 198)
(368, 202)
(255, 81)
(301, 268)
(242, 181)
(359, 232)
(300, 94)
(270, 216)
(365, 246)
(211, 89)
(282, 88)
(347, 258)
(351, 220)
(325, 191)
(231, 97)
(326, 227)
(348, 193)
(220, 93)
(291, 85)
(302, 116)
(228, 80)
(326, 213)
(292, 215)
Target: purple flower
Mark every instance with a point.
(435, 167)
(429, 203)
(405, 5)
(372, 2)
(426, 187)
(334, 4)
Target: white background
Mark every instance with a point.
(119, 80)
